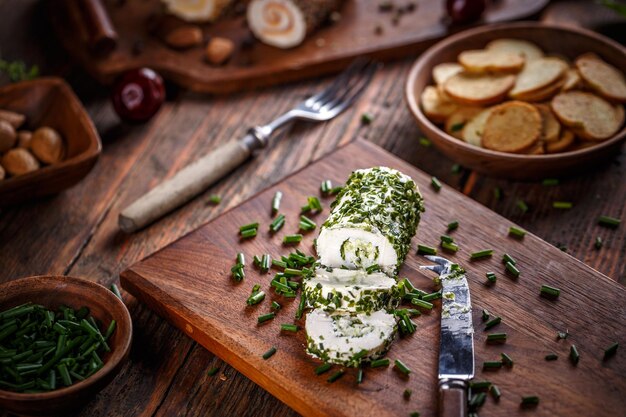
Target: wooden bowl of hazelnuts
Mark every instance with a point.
(47, 140)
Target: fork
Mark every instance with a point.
(199, 175)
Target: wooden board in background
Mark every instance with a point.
(189, 284)
(326, 51)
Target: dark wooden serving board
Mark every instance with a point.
(328, 50)
(189, 284)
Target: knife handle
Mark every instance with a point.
(453, 398)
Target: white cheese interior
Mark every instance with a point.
(196, 10)
(277, 23)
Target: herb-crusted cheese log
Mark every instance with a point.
(349, 339)
(372, 221)
(350, 290)
(197, 10)
(285, 23)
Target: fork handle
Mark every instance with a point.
(186, 184)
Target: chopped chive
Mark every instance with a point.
(297, 238)
(610, 351)
(306, 224)
(450, 247)
(359, 376)
(116, 291)
(256, 261)
(279, 263)
(266, 262)
(367, 118)
(414, 414)
(325, 367)
(480, 385)
(598, 244)
(495, 392)
(426, 250)
(565, 205)
(398, 364)
(379, 363)
(506, 360)
(213, 371)
(293, 272)
(517, 232)
(289, 327)
(486, 253)
(493, 322)
(562, 247)
(256, 298)
(336, 190)
(326, 186)
(265, 317)
(269, 353)
(496, 337)
(301, 307)
(492, 365)
(250, 226)
(491, 277)
(512, 269)
(421, 303)
(435, 183)
(477, 400)
(457, 126)
(485, 315)
(276, 202)
(432, 296)
(550, 181)
(456, 169)
(549, 292)
(372, 268)
(407, 394)
(574, 355)
(277, 223)
(425, 142)
(314, 204)
(275, 306)
(336, 376)
(248, 233)
(241, 259)
(453, 225)
(214, 199)
(608, 221)
(551, 357)
(508, 258)
(446, 238)
(521, 204)
(497, 193)
(530, 400)
(562, 335)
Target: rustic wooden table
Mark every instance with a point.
(75, 232)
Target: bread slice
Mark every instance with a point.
(457, 120)
(539, 148)
(478, 89)
(538, 74)
(543, 94)
(444, 71)
(435, 107)
(550, 126)
(589, 115)
(603, 78)
(571, 80)
(565, 140)
(521, 47)
(512, 127)
(483, 60)
(473, 131)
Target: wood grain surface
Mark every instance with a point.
(189, 283)
(76, 232)
(254, 64)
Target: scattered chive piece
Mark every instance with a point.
(506, 360)
(306, 224)
(512, 269)
(453, 225)
(491, 276)
(266, 262)
(493, 322)
(562, 205)
(323, 368)
(457, 126)
(116, 291)
(562, 247)
(477, 400)
(480, 385)
(598, 243)
(215, 199)
(277, 223)
(530, 400)
(289, 327)
(237, 272)
(248, 233)
(521, 204)
(492, 365)
(610, 351)
(407, 394)
(608, 221)
(450, 247)
(550, 292)
(550, 181)
(414, 414)
(213, 371)
(456, 168)
(256, 298)
(508, 258)
(401, 367)
(265, 317)
(326, 186)
(485, 315)
(241, 258)
(486, 253)
(379, 362)
(276, 202)
(297, 238)
(495, 391)
(516, 232)
(562, 335)
(446, 238)
(336, 376)
(432, 296)
(314, 204)
(249, 226)
(496, 337)
(367, 118)
(359, 376)
(551, 357)
(269, 353)
(336, 190)
(275, 306)
(426, 250)
(436, 184)
(574, 355)
(256, 261)
(425, 142)
(421, 303)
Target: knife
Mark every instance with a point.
(456, 347)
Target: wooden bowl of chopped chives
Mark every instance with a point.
(62, 340)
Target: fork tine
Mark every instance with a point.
(351, 92)
(356, 66)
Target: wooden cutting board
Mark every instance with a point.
(254, 64)
(189, 284)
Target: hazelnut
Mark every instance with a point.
(23, 138)
(219, 50)
(47, 145)
(184, 37)
(7, 136)
(2, 173)
(16, 119)
(19, 161)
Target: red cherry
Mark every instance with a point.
(463, 11)
(138, 95)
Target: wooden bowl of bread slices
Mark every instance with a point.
(522, 100)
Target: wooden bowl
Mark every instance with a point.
(50, 102)
(553, 39)
(51, 292)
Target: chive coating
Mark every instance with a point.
(379, 363)
(551, 357)
(508, 258)
(297, 238)
(422, 303)
(248, 233)
(512, 269)
(372, 268)
(521, 204)
(276, 202)
(265, 317)
(608, 221)
(495, 392)
(325, 367)
(407, 394)
(491, 277)
(269, 353)
(326, 186)
(550, 181)
(480, 385)
(250, 226)
(485, 253)
(401, 366)
(506, 360)
(336, 376)
(425, 142)
(549, 292)
(563, 205)
(496, 337)
(359, 376)
(426, 250)
(453, 225)
(277, 223)
(213, 371)
(598, 243)
(517, 232)
(289, 327)
(492, 322)
(450, 247)
(497, 193)
(610, 351)
(256, 298)
(485, 315)
(574, 355)
(530, 400)
(492, 365)
(214, 199)
(116, 291)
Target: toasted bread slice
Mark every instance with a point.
(457, 120)
(571, 80)
(435, 107)
(544, 94)
(603, 78)
(565, 140)
(444, 71)
(550, 126)
(512, 127)
(537, 75)
(538, 148)
(473, 130)
(483, 60)
(478, 89)
(590, 116)
(526, 49)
